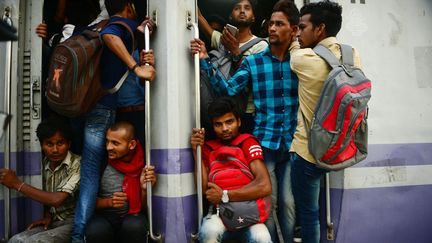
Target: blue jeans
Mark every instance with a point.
(97, 122)
(214, 231)
(279, 167)
(306, 178)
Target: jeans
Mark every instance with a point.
(279, 167)
(213, 231)
(58, 232)
(132, 228)
(306, 178)
(97, 122)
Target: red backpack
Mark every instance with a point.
(338, 135)
(74, 80)
(229, 170)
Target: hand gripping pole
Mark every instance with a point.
(198, 125)
(147, 129)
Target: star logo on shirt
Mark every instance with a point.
(240, 220)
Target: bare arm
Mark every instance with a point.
(259, 187)
(116, 45)
(147, 175)
(118, 200)
(197, 138)
(204, 26)
(54, 199)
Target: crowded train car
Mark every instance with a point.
(384, 198)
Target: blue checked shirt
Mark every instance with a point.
(274, 88)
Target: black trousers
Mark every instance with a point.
(113, 229)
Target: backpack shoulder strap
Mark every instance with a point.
(347, 55)
(131, 32)
(213, 144)
(327, 55)
(240, 139)
(249, 44)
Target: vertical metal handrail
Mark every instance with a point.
(198, 125)
(330, 229)
(147, 128)
(8, 66)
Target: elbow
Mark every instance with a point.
(266, 188)
(56, 203)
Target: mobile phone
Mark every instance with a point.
(232, 29)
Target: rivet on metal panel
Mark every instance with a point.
(189, 19)
(154, 16)
(330, 232)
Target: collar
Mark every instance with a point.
(67, 162)
(328, 41)
(268, 52)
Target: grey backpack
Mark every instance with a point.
(221, 59)
(338, 133)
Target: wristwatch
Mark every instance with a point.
(225, 197)
(236, 58)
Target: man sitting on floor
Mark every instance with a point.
(61, 177)
(122, 196)
(234, 178)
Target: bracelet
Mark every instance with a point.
(20, 187)
(134, 67)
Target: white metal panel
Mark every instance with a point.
(172, 90)
(394, 39)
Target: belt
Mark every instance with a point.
(130, 108)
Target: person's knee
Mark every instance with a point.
(18, 238)
(98, 230)
(259, 233)
(135, 223)
(211, 230)
(134, 229)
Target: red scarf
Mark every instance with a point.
(131, 181)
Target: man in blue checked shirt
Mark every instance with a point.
(274, 88)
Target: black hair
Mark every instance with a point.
(325, 12)
(289, 9)
(222, 106)
(116, 6)
(81, 12)
(128, 126)
(253, 3)
(53, 124)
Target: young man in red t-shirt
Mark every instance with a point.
(225, 118)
